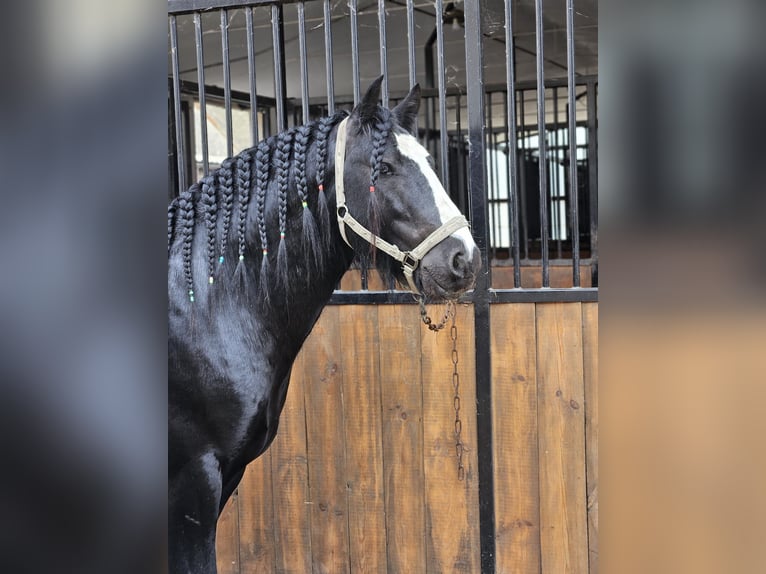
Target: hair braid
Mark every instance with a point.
(310, 233)
(380, 135)
(243, 185)
(226, 181)
(210, 209)
(171, 221)
(186, 213)
(261, 183)
(282, 163)
(324, 126)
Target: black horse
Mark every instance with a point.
(255, 251)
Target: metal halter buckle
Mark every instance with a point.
(410, 261)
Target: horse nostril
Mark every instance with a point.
(459, 264)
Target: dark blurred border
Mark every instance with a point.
(82, 287)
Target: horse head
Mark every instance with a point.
(391, 198)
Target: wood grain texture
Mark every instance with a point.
(328, 505)
(227, 538)
(363, 438)
(256, 518)
(561, 420)
(402, 411)
(514, 416)
(452, 517)
(590, 373)
(531, 277)
(290, 481)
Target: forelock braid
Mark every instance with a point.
(282, 163)
(261, 184)
(210, 209)
(226, 181)
(380, 134)
(310, 234)
(324, 127)
(243, 185)
(186, 213)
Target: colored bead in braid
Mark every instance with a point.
(261, 184)
(310, 233)
(243, 185)
(226, 185)
(324, 126)
(282, 164)
(210, 209)
(186, 213)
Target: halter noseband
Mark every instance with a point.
(409, 259)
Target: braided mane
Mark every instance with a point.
(223, 206)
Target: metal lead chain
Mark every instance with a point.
(449, 312)
(456, 401)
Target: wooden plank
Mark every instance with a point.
(590, 372)
(402, 407)
(452, 517)
(362, 425)
(328, 505)
(256, 518)
(561, 419)
(514, 416)
(227, 538)
(290, 483)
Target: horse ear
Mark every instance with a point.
(367, 109)
(406, 112)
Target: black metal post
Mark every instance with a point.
(328, 57)
(542, 155)
(251, 75)
(280, 77)
(226, 81)
(474, 59)
(510, 78)
(180, 152)
(572, 105)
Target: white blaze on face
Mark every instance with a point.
(410, 147)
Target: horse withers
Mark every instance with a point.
(254, 253)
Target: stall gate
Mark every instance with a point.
(364, 473)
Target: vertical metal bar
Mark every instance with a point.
(493, 235)
(383, 63)
(180, 151)
(572, 104)
(328, 57)
(523, 175)
(544, 227)
(227, 81)
(459, 156)
(593, 178)
(201, 84)
(510, 86)
(304, 63)
(474, 59)
(251, 75)
(277, 35)
(443, 135)
(411, 42)
(354, 51)
(555, 182)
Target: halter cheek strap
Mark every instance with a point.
(409, 259)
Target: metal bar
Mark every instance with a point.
(555, 182)
(496, 296)
(304, 63)
(383, 63)
(180, 151)
(251, 75)
(572, 103)
(493, 236)
(354, 51)
(544, 227)
(411, 43)
(201, 81)
(217, 94)
(443, 135)
(188, 6)
(227, 81)
(510, 79)
(474, 59)
(277, 35)
(593, 177)
(328, 57)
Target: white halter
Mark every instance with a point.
(409, 259)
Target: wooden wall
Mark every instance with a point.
(363, 477)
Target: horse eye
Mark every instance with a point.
(385, 168)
